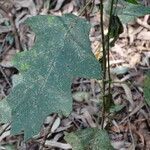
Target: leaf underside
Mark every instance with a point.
(61, 52)
(89, 139)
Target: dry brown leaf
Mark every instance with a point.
(88, 118)
(144, 35)
(145, 60)
(4, 135)
(68, 8)
(55, 124)
(5, 29)
(20, 18)
(46, 6)
(6, 61)
(27, 4)
(51, 143)
(58, 4)
(134, 60)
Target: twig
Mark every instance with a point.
(84, 8)
(143, 24)
(7, 126)
(5, 76)
(14, 29)
(15, 32)
(130, 130)
(47, 133)
(133, 112)
(58, 145)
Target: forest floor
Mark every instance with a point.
(129, 59)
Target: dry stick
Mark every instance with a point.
(3, 53)
(7, 126)
(84, 8)
(17, 41)
(48, 132)
(91, 9)
(5, 76)
(143, 24)
(131, 134)
(133, 112)
(56, 144)
(14, 29)
(85, 12)
(15, 32)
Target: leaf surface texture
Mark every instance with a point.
(61, 52)
(89, 139)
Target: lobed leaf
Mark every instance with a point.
(61, 52)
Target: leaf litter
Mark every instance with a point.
(132, 50)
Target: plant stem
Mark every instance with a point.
(106, 58)
(108, 45)
(103, 61)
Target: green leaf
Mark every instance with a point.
(5, 111)
(131, 11)
(89, 139)
(132, 1)
(61, 52)
(116, 27)
(115, 30)
(126, 11)
(147, 88)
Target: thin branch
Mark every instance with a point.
(15, 32)
(5, 76)
(48, 132)
(5, 129)
(84, 8)
(14, 29)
